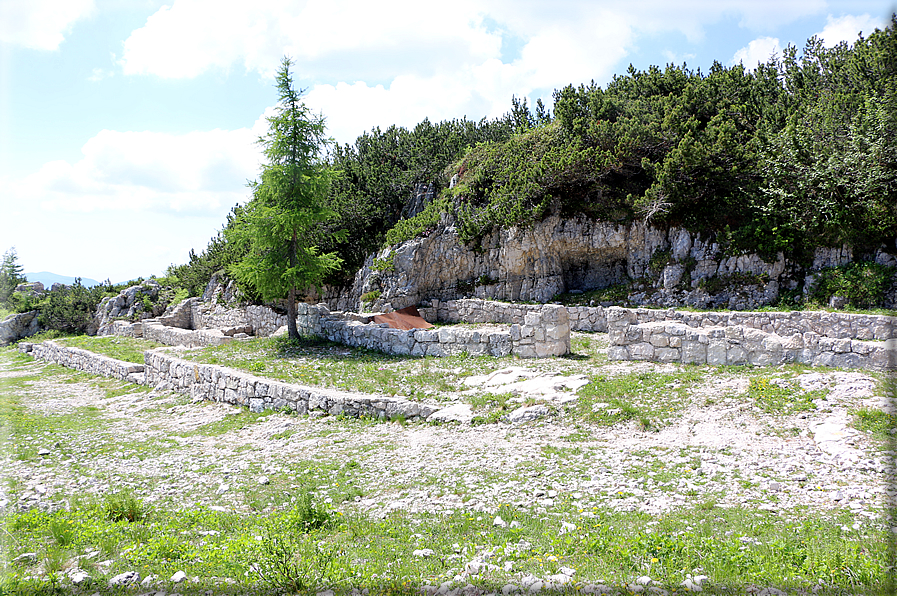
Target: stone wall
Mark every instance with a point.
(474, 310)
(540, 333)
(532, 332)
(221, 384)
(175, 336)
(83, 360)
(826, 324)
(758, 340)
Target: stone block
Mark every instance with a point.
(659, 340)
(676, 341)
(762, 358)
(667, 354)
(717, 352)
(735, 355)
(618, 353)
(693, 352)
(641, 351)
(734, 332)
(435, 349)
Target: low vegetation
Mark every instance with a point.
(302, 531)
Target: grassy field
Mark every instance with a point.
(132, 483)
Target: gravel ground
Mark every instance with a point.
(719, 448)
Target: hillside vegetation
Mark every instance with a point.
(795, 154)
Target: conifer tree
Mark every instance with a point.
(10, 276)
(280, 227)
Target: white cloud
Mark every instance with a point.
(98, 74)
(340, 39)
(847, 28)
(40, 24)
(197, 172)
(757, 51)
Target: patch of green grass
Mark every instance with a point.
(325, 364)
(490, 407)
(126, 349)
(651, 398)
(780, 396)
(878, 423)
(229, 423)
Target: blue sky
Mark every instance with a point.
(127, 126)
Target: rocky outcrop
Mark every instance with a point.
(16, 327)
(665, 267)
(129, 304)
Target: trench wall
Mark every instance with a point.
(83, 360)
(221, 384)
(722, 342)
(538, 334)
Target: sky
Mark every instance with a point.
(128, 127)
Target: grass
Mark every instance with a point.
(650, 398)
(881, 425)
(303, 530)
(325, 364)
(308, 544)
(126, 349)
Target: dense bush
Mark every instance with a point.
(794, 154)
(862, 285)
(70, 309)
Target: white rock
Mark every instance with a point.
(124, 579)
(499, 522)
(566, 527)
(178, 577)
(456, 413)
(527, 413)
(264, 480)
(79, 577)
(424, 553)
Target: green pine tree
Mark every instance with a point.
(10, 276)
(281, 226)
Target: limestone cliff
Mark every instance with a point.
(664, 267)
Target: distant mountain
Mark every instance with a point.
(48, 279)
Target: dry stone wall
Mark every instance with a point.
(539, 334)
(83, 360)
(221, 384)
(473, 310)
(754, 340)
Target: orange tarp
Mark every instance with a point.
(406, 318)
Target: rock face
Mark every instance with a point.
(669, 267)
(15, 327)
(129, 304)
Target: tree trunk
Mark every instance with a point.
(291, 296)
(291, 315)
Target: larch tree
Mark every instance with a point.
(281, 225)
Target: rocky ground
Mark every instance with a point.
(720, 448)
